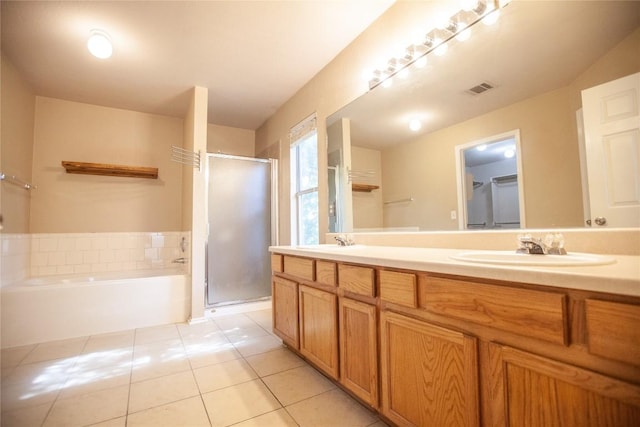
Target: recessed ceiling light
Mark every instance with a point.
(99, 44)
(415, 125)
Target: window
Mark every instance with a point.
(304, 183)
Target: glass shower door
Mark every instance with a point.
(238, 261)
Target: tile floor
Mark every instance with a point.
(230, 370)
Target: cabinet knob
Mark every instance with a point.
(600, 220)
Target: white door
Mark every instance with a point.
(612, 136)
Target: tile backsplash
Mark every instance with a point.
(15, 258)
(33, 255)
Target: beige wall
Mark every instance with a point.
(66, 130)
(622, 60)
(16, 149)
(228, 140)
(367, 206)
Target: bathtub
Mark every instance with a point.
(60, 307)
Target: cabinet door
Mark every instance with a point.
(319, 329)
(359, 350)
(530, 390)
(285, 310)
(429, 374)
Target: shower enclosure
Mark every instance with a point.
(242, 221)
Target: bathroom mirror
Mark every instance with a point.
(533, 64)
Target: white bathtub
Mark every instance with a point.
(60, 307)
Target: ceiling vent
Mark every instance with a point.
(482, 87)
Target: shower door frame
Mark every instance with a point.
(274, 219)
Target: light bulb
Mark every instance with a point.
(464, 35)
(99, 44)
(403, 74)
(421, 62)
(509, 153)
(415, 125)
(441, 49)
(481, 147)
(491, 18)
(468, 5)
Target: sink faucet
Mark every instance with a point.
(552, 244)
(344, 240)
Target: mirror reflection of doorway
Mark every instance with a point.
(490, 185)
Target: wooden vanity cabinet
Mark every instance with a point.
(358, 332)
(427, 349)
(429, 373)
(530, 390)
(284, 294)
(319, 328)
(359, 349)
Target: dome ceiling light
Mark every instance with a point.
(99, 44)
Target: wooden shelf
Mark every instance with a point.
(110, 170)
(365, 188)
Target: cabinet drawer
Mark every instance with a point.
(531, 313)
(300, 267)
(359, 280)
(276, 263)
(613, 330)
(398, 288)
(326, 272)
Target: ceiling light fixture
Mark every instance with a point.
(415, 125)
(99, 44)
(458, 26)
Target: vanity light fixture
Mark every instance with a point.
(99, 44)
(457, 26)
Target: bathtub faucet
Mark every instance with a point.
(179, 261)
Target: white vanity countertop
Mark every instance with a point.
(621, 277)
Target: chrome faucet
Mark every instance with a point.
(552, 244)
(344, 240)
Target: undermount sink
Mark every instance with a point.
(513, 258)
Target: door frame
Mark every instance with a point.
(461, 180)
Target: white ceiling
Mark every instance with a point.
(251, 55)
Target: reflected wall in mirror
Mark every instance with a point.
(489, 184)
(538, 58)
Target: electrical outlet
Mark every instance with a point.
(454, 215)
